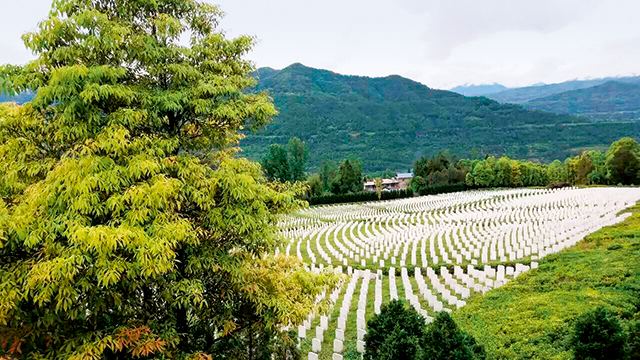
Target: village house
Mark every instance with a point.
(399, 182)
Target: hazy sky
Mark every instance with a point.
(441, 43)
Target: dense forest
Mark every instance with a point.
(392, 121)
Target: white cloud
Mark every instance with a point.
(441, 43)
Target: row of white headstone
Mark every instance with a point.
(501, 243)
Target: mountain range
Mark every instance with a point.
(479, 90)
(388, 122)
(525, 94)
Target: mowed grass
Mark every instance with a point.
(532, 316)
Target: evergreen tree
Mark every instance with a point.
(396, 331)
(127, 226)
(443, 340)
(350, 177)
(298, 155)
(598, 335)
(276, 164)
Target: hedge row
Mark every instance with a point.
(359, 197)
(441, 189)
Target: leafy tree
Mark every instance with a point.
(598, 172)
(378, 183)
(483, 174)
(623, 161)
(557, 172)
(127, 227)
(516, 174)
(503, 172)
(396, 330)
(443, 340)
(276, 163)
(598, 335)
(298, 155)
(315, 185)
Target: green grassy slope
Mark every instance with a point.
(532, 316)
(389, 122)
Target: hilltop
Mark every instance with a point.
(391, 121)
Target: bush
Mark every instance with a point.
(598, 335)
(633, 339)
(395, 333)
(444, 340)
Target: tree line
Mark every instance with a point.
(335, 183)
(619, 165)
(444, 172)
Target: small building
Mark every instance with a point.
(370, 186)
(404, 176)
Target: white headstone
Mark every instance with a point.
(337, 345)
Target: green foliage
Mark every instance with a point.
(533, 315)
(350, 177)
(562, 92)
(389, 122)
(276, 163)
(443, 340)
(598, 335)
(623, 162)
(601, 100)
(633, 338)
(394, 333)
(298, 155)
(440, 173)
(378, 183)
(316, 188)
(286, 164)
(127, 227)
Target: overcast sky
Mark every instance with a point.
(441, 43)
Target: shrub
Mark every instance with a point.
(359, 197)
(444, 340)
(394, 333)
(598, 335)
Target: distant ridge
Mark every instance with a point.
(610, 97)
(528, 93)
(478, 90)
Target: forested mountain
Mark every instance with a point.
(609, 98)
(478, 90)
(528, 93)
(389, 122)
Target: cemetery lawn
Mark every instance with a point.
(532, 316)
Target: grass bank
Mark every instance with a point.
(532, 317)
